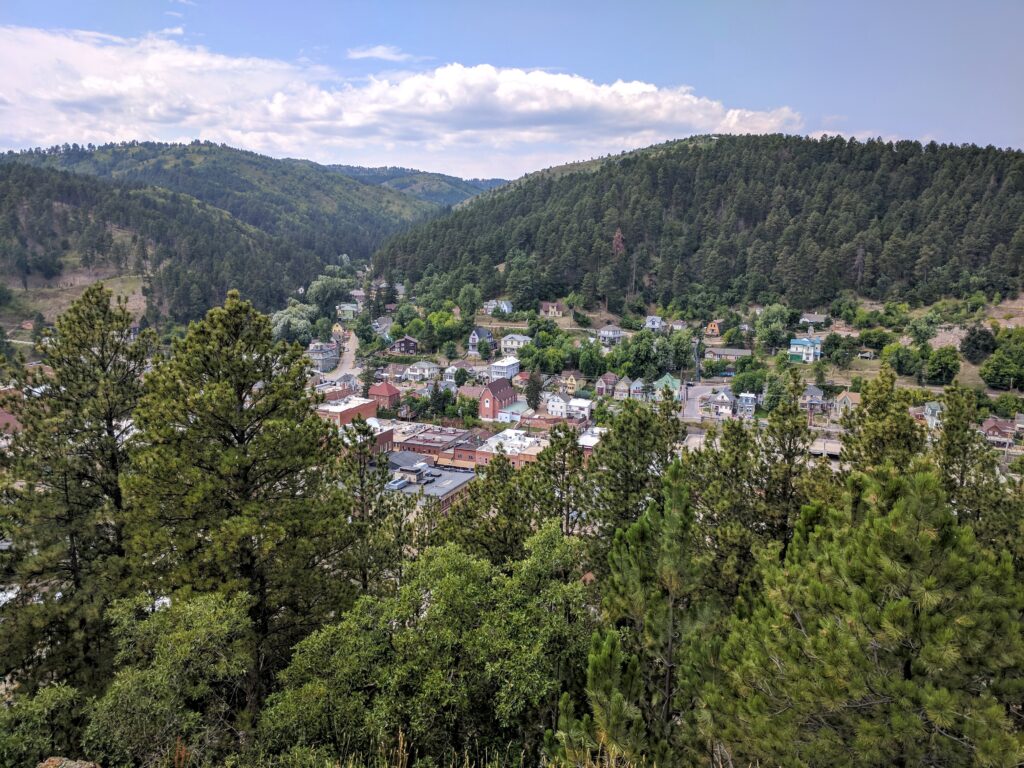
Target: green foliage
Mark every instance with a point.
(294, 323)
(905, 361)
(942, 366)
(741, 217)
(65, 514)
(33, 728)
(881, 430)
(1004, 369)
(458, 658)
(977, 344)
(317, 208)
(230, 490)
(628, 464)
(179, 685)
(533, 390)
(874, 642)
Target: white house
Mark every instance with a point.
(495, 305)
(513, 342)
(558, 405)
(424, 370)
(654, 323)
(505, 368)
(720, 404)
(610, 335)
(806, 350)
(579, 408)
(933, 414)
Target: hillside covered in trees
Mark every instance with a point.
(433, 187)
(738, 218)
(317, 208)
(191, 252)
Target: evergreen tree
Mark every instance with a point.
(888, 636)
(977, 493)
(628, 464)
(560, 480)
(494, 518)
(533, 390)
(378, 523)
(232, 472)
(881, 429)
(653, 596)
(66, 516)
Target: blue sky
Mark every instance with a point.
(487, 89)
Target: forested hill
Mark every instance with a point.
(436, 188)
(314, 207)
(192, 252)
(739, 218)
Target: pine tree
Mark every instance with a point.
(888, 636)
(230, 483)
(993, 505)
(628, 464)
(66, 516)
(378, 522)
(495, 517)
(561, 480)
(653, 594)
(881, 429)
(533, 390)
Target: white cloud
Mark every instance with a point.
(382, 52)
(72, 86)
(172, 31)
(175, 14)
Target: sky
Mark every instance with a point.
(486, 89)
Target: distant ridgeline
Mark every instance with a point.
(193, 252)
(280, 220)
(742, 218)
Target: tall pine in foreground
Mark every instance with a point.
(888, 636)
(65, 512)
(232, 472)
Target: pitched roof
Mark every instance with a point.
(500, 389)
(384, 389)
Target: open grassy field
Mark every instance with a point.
(54, 296)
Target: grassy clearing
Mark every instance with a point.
(54, 297)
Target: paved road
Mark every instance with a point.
(347, 364)
(690, 410)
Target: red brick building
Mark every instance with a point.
(495, 396)
(386, 395)
(343, 412)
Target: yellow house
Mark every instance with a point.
(338, 331)
(714, 328)
(572, 382)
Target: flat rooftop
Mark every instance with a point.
(345, 404)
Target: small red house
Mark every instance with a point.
(495, 396)
(386, 395)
